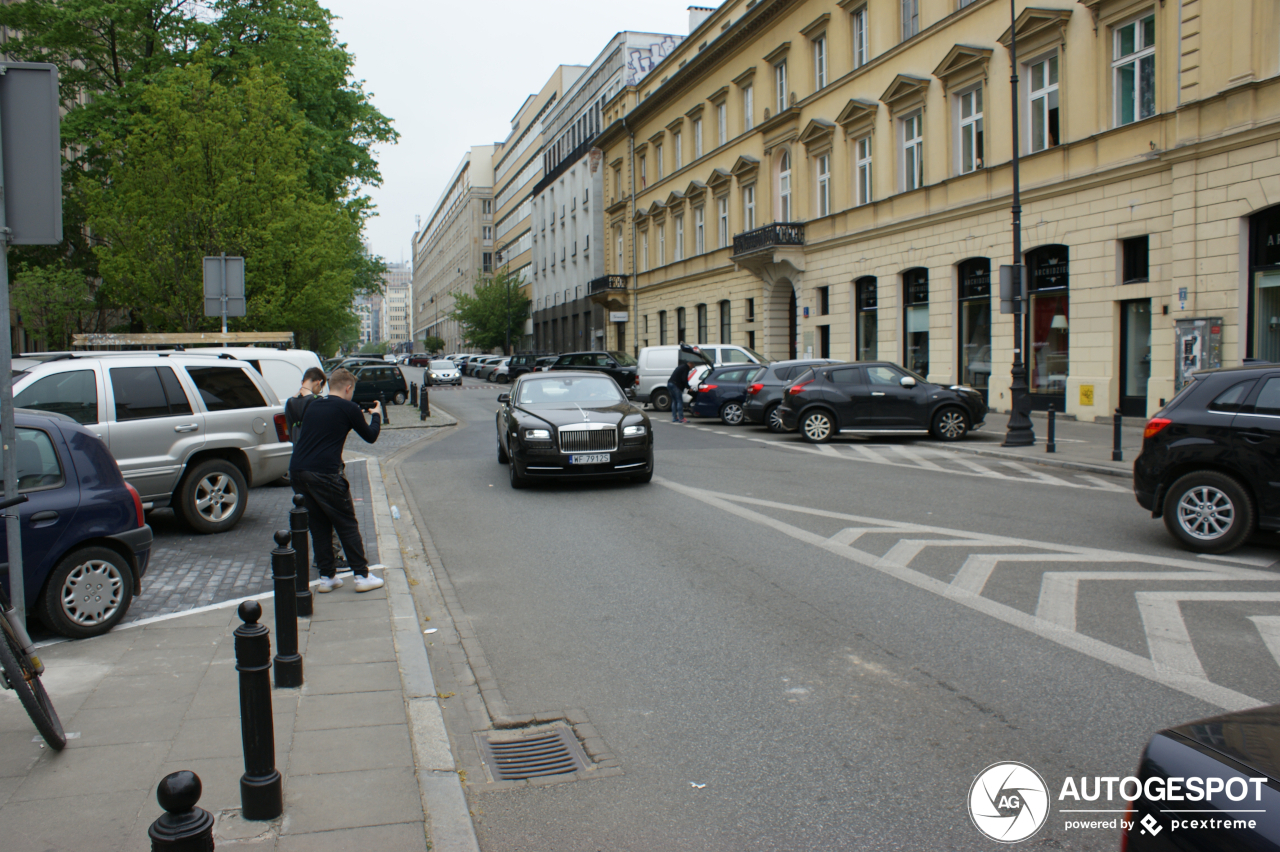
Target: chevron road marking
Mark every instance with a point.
(1059, 590)
(1254, 561)
(1269, 629)
(1102, 484)
(916, 459)
(972, 577)
(1170, 666)
(1171, 648)
(1034, 474)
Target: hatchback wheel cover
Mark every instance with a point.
(217, 497)
(92, 591)
(1205, 513)
(817, 427)
(951, 424)
(775, 418)
(733, 413)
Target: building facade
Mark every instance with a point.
(396, 286)
(567, 213)
(368, 309)
(450, 252)
(827, 184)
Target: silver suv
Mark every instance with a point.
(188, 431)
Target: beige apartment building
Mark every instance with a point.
(396, 285)
(450, 251)
(834, 178)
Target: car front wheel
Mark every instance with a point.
(731, 413)
(88, 593)
(816, 427)
(1208, 512)
(212, 496)
(517, 481)
(950, 424)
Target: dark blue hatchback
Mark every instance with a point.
(85, 544)
(723, 391)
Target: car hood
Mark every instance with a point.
(1251, 737)
(558, 415)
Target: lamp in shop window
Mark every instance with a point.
(1059, 322)
(1274, 324)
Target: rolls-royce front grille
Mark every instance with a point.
(588, 440)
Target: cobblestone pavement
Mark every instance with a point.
(188, 570)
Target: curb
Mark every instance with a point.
(443, 801)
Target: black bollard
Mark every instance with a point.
(1050, 446)
(424, 404)
(184, 827)
(1117, 451)
(386, 412)
(261, 789)
(288, 662)
(299, 534)
(413, 394)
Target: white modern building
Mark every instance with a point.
(396, 286)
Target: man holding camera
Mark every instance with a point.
(316, 472)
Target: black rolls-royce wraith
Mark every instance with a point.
(572, 424)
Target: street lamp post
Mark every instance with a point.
(1019, 432)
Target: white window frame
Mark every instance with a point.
(722, 218)
(749, 207)
(1119, 63)
(677, 142)
(697, 138)
(644, 250)
(679, 236)
(780, 85)
(748, 108)
(911, 130)
(863, 175)
(657, 162)
(662, 244)
(643, 169)
(858, 20)
(1038, 101)
(699, 230)
(970, 130)
(722, 123)
(820, 62)
(617, 230)
(910, 18)
(785, 167)
(822, 164)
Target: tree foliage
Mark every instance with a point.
(56, 300)
(432, 344)
(496, 308)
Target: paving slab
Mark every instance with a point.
(359, 677)
(118, 725)
(88, 823)
(351, 800)
(404, 837)
(369, 649)
(321, 712)
(78, 772)
(358, 747)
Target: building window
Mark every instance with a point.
(862, 170)
(971, 141)
(680, 237)
(784, 187)
(859, 20)
(749, 208)
(697, 138)
(915, 293)
(657, 164)
(644, 251)
(617, 235)
(486, 262)
(824, 185)
(662, 243)
(1044, 104)
(780, 86)
(722, 123)
(662, 328)
(699, 230)
(680, 326)
(677, 145)
(487, 233)
(975, 323)
(1135, 70)
(702, 324)
(1048, 280)
(726, 323)
(866, 322)
(824, 301)
(722, 220)
(748, 108)
(910, 18)
(641, 167)
(1135, 260)
(486, 206)
(912, 152)
(820, 62)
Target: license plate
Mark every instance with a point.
(602, 458)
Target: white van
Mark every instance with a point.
(282, 368)
(657, 363)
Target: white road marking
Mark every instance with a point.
(1060, 590)
(972, 577)
(914, 459)
(1171, 648)
(904, 551)
(1269, 629)
(1102, 484)
(1254, 561)
(1034, 474)
(1173, 670)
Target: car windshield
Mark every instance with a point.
(442, 365)
(623, 359)
(759, 358)
(571, 391)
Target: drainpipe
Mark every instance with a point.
(635, 278)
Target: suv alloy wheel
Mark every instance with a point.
(211, 497)
(950, 424)
(1208, 512)
(731, 413)
(816, 427)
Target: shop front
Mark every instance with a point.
(865, 300)
(1264, 286)
(975, 323)
(1048, 284)
(915, 318)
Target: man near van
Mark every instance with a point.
(316, 471)
(676, 386)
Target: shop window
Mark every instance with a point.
(1264, 294)
(865, 298)
(975, 323)
(915, 318)
(1135, 265)
(1048, 282)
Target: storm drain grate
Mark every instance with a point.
(545, 751)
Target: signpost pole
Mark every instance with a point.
(8, 436)
(224, 292)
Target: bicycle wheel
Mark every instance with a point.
(31, 692)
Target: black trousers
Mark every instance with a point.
(330, 509)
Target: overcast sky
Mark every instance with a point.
(452, 73)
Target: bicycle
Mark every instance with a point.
(21, 668)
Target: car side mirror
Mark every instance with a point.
(504, 398)
(907, 382)
(613, 364)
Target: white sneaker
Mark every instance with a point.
(328, 584)
(368, 584)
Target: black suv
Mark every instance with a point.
(764, 395)
(519, 365)
(870, 396)
(1210, 462)
(620, 366)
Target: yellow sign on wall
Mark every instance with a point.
(1086, 394)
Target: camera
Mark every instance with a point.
(368, 406)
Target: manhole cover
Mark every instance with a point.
(514, 756)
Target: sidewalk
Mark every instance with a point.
(361, 746)
(1080, 446)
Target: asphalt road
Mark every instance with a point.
(789, 647)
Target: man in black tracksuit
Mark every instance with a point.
(316, 472)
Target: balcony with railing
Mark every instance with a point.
(769, 237)
(607, 284)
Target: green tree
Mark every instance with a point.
(56, 300)
(496, 308)
(202, 168)
(374, 348)
(432, 345)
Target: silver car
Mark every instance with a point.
(442, 373)
(189, 431)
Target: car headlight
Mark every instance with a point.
(632, 431)
(537, 434)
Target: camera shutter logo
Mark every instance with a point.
(1008, 802)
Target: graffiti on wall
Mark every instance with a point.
(641, 60)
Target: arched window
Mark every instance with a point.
(784, 187)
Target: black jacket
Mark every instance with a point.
(325, 427)
(680, 377)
